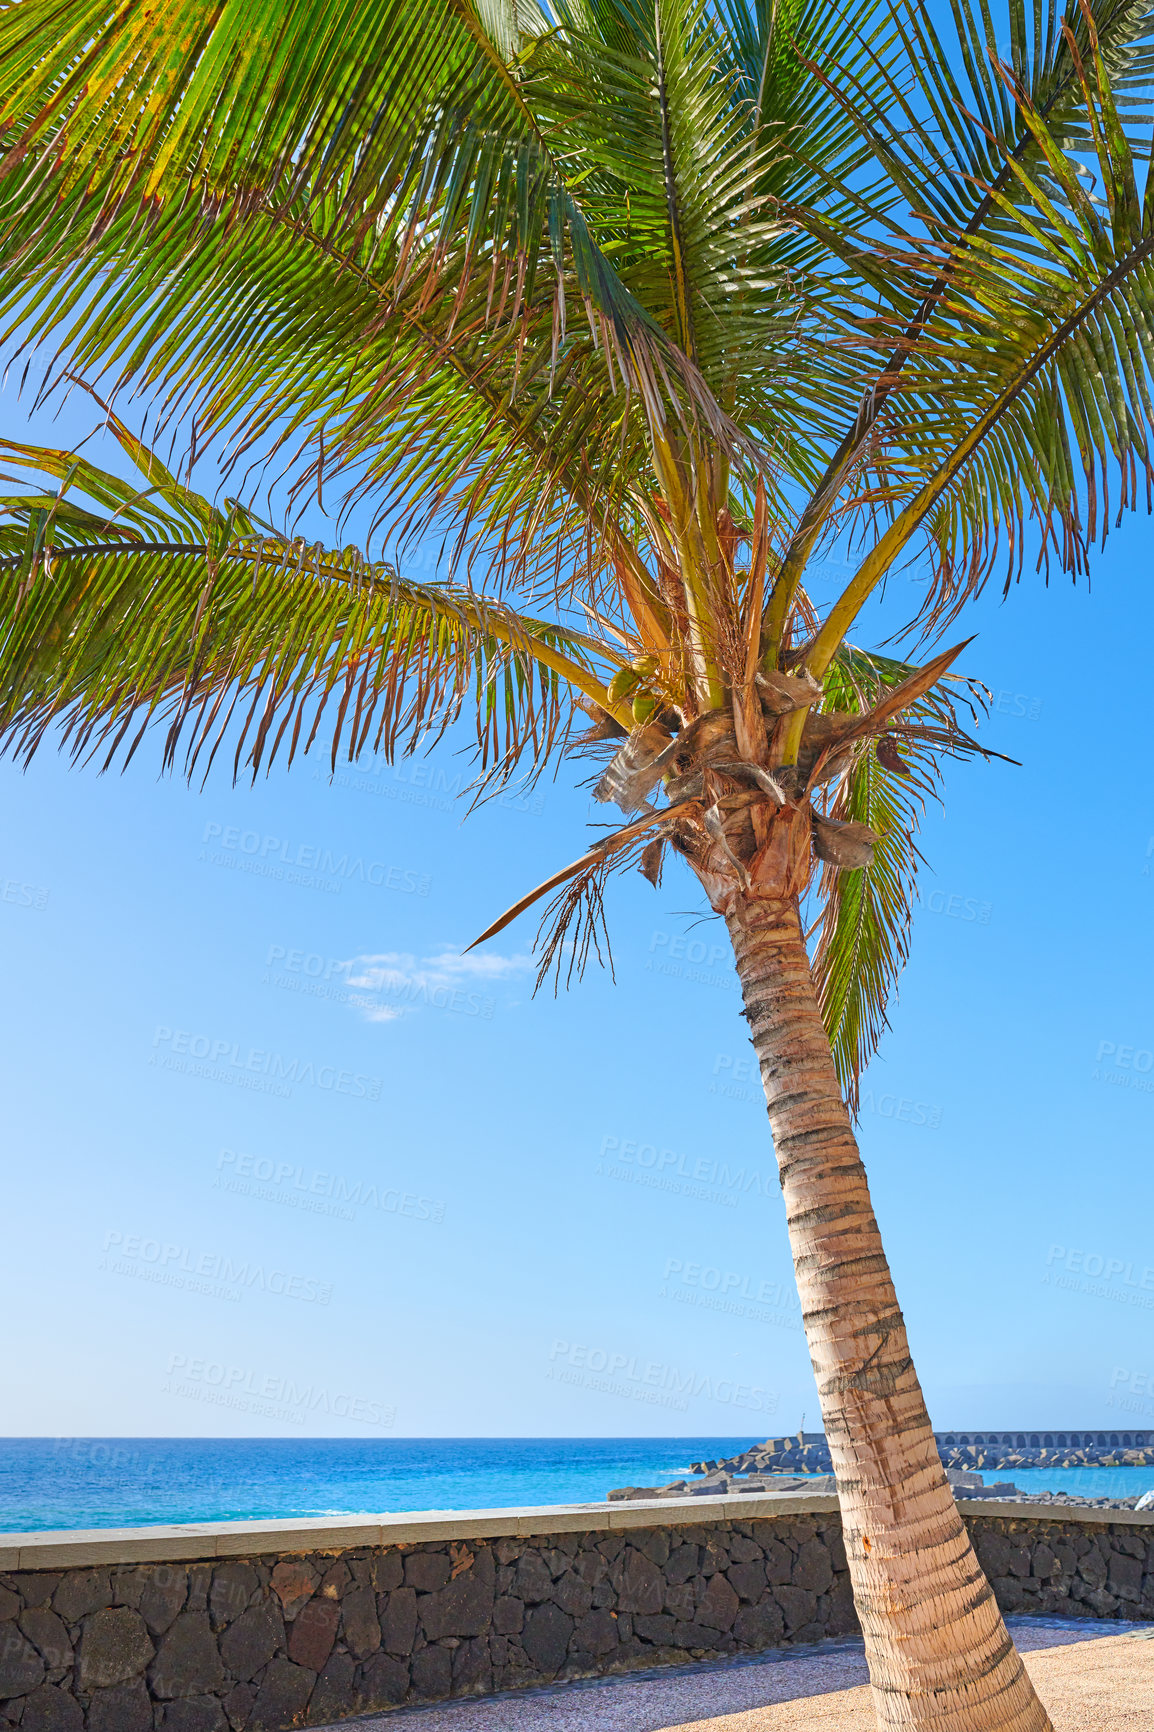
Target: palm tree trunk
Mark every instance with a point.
(939, 1654)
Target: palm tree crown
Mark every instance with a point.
(642, 308)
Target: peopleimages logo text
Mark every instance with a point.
(1137, 1382)
(1124, 1066)
(638, 1377)
(177, 1259)
(728, 1282)
(23, 895)
(424, 785)
(226, 1061)
(667, 1164)
(690, 959)
(1099, 1266)
(318, 1186)
(307, 862)
(238, 1386)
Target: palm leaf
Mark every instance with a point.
(865, 915)
(1015, 381)
(637, 310)
(169, 610)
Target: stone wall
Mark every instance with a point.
(296, 1634)
(1067, 1568)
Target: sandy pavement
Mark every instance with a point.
(1093, 1677)
(1101, 1686)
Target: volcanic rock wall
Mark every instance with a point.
(268, 1641)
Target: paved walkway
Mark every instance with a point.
(1094, 1677)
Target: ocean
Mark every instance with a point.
(72, 1482)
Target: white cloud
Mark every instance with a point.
(446, 980)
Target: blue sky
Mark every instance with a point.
(472, 1211)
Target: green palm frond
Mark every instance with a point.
(160, 608)
(678, 173)
(252, 159)
(498, 395)
(865, 915)
(280, 102)
(550, 198)
(631, 309)
(1016, 385)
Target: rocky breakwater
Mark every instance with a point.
(999, 1456)
(808, 1452)
(720, 1483)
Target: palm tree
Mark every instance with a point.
(644, 309)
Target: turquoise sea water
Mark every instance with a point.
(136, 1481)
(1083, 1481)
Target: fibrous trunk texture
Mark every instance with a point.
(939, 1653)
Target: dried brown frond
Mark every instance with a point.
(575, 922)
(652, 861)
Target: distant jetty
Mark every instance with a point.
(776, 1464)
(808, 1451)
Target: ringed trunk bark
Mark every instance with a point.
(939, 1654)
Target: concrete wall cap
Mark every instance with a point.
(1057, 1512)
(77, 1549)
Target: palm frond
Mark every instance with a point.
(163, 609)
(282, 103)
(151, 228)
(634, 310)
(1015, 386)
(866, 917)
(865, 914)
